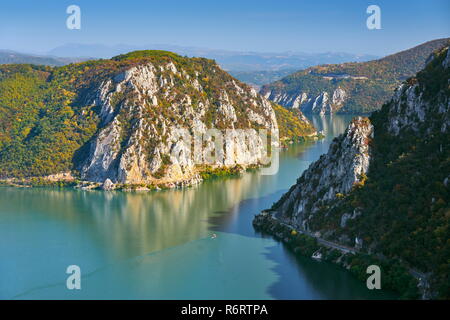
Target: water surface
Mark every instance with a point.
(158, 245)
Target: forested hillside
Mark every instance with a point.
(355, 87)
(384, 187)
(50, 116)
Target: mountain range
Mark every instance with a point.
(353, 87)
(13, 57)
(273, 64)
(227, 59)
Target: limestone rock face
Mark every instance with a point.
(323, 103)
(409, 111)
(108, 185)
(446, 62)
(336, 172)
(147, 109)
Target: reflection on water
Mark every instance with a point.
(332, 125)
(159, 245)
(130, 224)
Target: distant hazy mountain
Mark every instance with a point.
(228, 60)
(254, 68)
(260, 78)
(12, 57)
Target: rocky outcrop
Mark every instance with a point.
(410, 110)
(108, 185)
(151, 114)
(334, 174)
(308, 103)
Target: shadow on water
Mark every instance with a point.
(305, 278)
(299, 277)
(50, 229)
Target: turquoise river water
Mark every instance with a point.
(159, 245)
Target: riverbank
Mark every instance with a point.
(396, 276)
(70, 180)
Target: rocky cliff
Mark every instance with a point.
(321, 103)
(154, 118)
(383, 186)
(335, 173)
(136, 143)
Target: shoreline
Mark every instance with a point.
(70, 179)
(72, 182)
(413, 284)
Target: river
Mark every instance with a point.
(159, 245)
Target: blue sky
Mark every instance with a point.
(242, 25)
